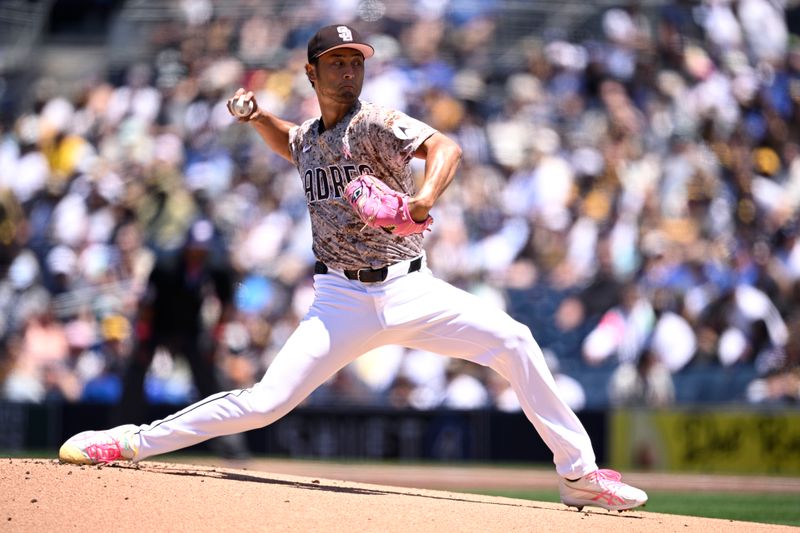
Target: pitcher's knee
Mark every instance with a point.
(519, 347)
(269, 404)
(520, 340)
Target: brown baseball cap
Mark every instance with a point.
(337, 36)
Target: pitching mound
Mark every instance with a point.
(43, 495)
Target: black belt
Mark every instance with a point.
(368, 275)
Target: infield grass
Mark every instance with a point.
(770, 508)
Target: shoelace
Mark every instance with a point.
(606, 474)
(105, 452)
(610, 481)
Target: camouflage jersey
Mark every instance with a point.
(369, 139)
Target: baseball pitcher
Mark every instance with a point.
(372, 285)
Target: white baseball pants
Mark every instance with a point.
(349, 318)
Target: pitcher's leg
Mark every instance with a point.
(521, 363)
(340, 326)
(306, 361)
(452, 322)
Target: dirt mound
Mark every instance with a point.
(43, 495)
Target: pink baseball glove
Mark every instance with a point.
(380, 206)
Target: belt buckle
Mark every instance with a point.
(382, 274)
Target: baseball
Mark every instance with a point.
(242, 107)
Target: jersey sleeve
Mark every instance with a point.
(395, 133)
(295, 139)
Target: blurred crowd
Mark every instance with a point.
(631, 195)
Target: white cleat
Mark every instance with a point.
(96, 447)
(601, 488)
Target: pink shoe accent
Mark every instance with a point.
(609, 497)
(606, 473)
(104, 452)
(602, 488)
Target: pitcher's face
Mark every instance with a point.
(338, 75)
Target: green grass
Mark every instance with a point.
(750, 507)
